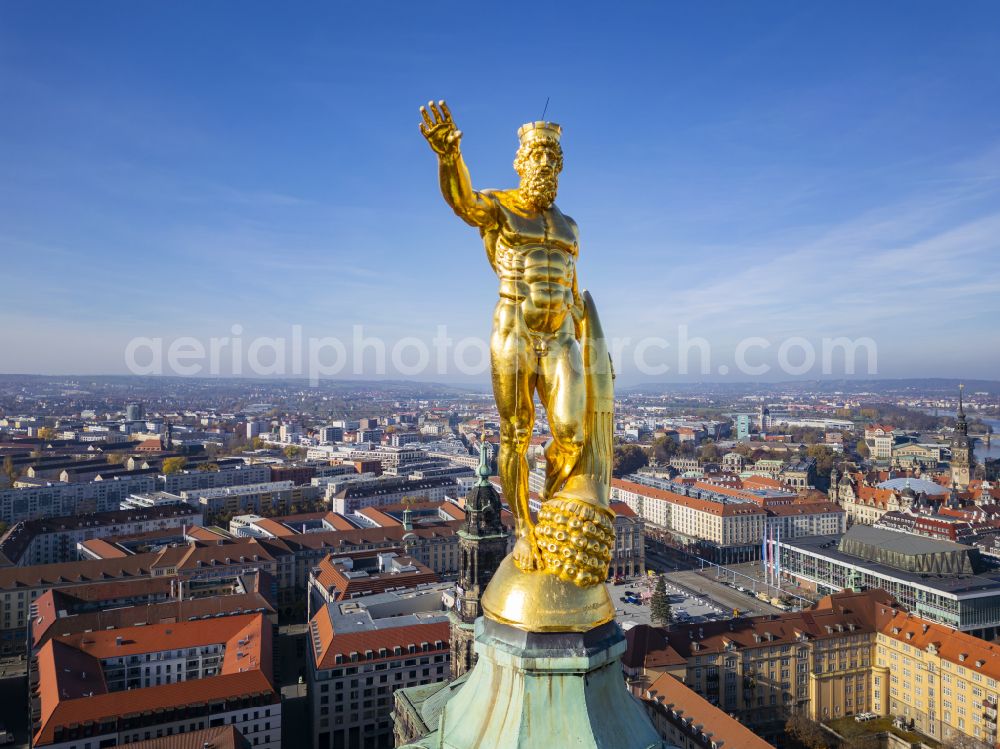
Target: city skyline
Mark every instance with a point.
(789, 173)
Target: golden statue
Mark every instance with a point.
(547, 340)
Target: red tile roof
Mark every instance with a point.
(960, 648)
(69, 573)
(276, 529)
(695, 503)
(331, 644)
(101, 549)
(620, 508)
(223, 737)
(380, 518)
(48, 622)
(339, 522)
(72, 688)
(336, 577)
(699, 716)
(763, 482)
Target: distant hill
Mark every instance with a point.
(919, 385)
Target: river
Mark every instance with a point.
(981, 451)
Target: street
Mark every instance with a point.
(726, 597)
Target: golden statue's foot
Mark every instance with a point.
(526, 554)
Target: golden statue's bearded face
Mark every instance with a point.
(538, 163)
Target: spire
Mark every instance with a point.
(961, 427)
(483, 471)
(407, 518)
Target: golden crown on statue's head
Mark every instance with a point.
(539, 131)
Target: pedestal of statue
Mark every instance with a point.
(548, 690)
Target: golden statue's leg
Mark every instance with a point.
(513, 367)
(563, 390)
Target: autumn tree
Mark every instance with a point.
(824, 457)
(628, 459)
(9, 470)
(292, 452)
(709, 452)
(173, 465)
(807, 732)
(46, 434)
(664, 449)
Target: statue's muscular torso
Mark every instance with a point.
(534, 256)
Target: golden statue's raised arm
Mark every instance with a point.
(472, 207)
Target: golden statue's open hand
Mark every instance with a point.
(439, 128)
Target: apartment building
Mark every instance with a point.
(726, 528)
(879, 438)
(54, 540)
(807, 519)
(391, 490)
(628, 556)
(358, 658)
(59, 499)
(686, 720)
(818, 661)
(649, 503)
(235, 475)
(365, 573)
(725, 524)
(272, 497)
(59, 613)
(941, 682)
(208, 568)
(107, 688)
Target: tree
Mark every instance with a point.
(709, 452)
(659, 604)
(628, 459)
(46, 434)
(862, 448)
(116, 459)
(208, 467)
(257, 443)
(664, 449)
(292, 452)
(9, 471)
(806, 732)
(173, 465)
(824, 458)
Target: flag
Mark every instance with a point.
(771, 550)
(777, 558)
(763, 550)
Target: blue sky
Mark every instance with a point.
(774, 170)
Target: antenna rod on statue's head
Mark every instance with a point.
(545, 108)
